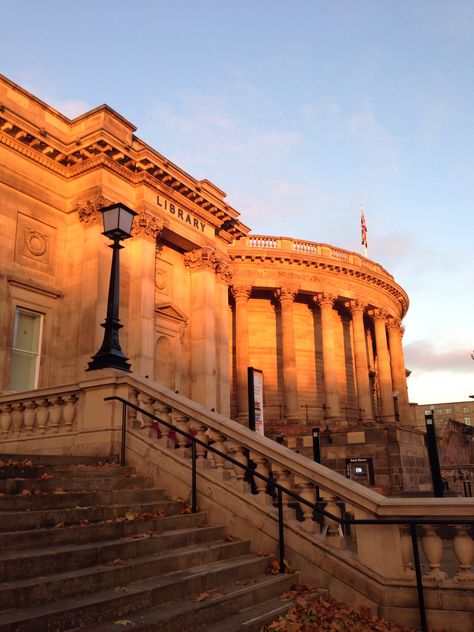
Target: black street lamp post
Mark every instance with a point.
(118, 220)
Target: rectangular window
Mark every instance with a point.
(439, 411)
(467, 421)
(465, 409)
(26, 350)
(448, 411)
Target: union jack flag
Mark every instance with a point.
(363, 228)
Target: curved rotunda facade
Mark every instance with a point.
(324, 325)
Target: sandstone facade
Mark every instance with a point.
(201, 298)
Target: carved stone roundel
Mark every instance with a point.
(36, 242)
(160, 279)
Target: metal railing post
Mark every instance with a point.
(281, 535)
(419, 581)
(124, 434)
(193, 478)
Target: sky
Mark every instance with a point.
(301, 110)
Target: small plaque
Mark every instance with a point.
(308, 441)
(356, 437)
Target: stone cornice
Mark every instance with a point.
(32, 286)
(136, 162)
(301, 262)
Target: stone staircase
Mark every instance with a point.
(93, 546)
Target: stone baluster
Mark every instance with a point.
(307, 492)
(286, 297)
(464, 550)
(241, 297)
(217, 442)
(147, 403)
(332, 528)
(69, 411)
(17, 417)
(131, 412)
(200, 429)
(42, 415)
(433, 549)
(282, 477)
(162, 411)
(56, 414)
(261, 467)
(237, 452)
(407, 549)
(5, 418)
(182, 423)
(29, 416)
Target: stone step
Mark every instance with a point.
(118, 572)
(16, 485)
(68, 612)
(76, 471)
(58, 459)
(23, 520)
(242, 605)
(60, 498)
(59, 559)
(95, 531)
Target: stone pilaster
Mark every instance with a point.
(286, 297)
(383, 367)
(326, 303)
(241, 296)
(399, 378)
(364, 395)
(202, 264)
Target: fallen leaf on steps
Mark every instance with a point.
(124, 622)
(208, 595)
(26, 492)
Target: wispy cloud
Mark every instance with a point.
(424, 355)
(71, 108)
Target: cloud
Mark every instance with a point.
(71, 108)
(424, 355)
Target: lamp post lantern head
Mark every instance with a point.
(117, 220)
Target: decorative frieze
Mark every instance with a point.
(88, 210)
(206, 258)
(147, 225)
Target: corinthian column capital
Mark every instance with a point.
(379, 314)
(241, 292)
(286, 294)
(356, 306)
(324, 299)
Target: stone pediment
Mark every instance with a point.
(171, 312)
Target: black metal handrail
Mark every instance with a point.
(280, 489)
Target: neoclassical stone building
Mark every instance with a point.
(201, 298)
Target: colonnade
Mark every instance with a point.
(388, 369)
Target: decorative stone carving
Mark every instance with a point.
(241, 292)
(88, 210)
(355, 306)
(35, 242)
(323, 298)
(286, 294)
(206, 258)
(147, 225)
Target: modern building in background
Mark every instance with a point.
(202, 299)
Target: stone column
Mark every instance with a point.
(286, 297)
(223, 279)
(202, 263)
(399, 377)
(326, 302)
(241, 296)
(364, 395)
(140, 255)
(383, 366)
